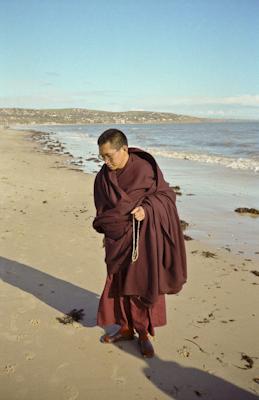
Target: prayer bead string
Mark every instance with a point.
(135, 244)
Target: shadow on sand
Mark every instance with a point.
(185, 383)
(57, 293)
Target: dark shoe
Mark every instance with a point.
(146, 347)
(121, 334)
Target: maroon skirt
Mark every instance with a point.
(128, 310)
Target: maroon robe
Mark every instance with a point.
(161, 265)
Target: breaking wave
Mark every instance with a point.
(235, 163)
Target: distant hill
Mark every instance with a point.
(10, 116)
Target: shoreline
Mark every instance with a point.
(57, 264)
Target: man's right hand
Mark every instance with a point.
(139, 213)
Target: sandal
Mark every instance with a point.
(146, 347)
(121, 334)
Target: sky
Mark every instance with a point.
(192, 57)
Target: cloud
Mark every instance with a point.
(241, 100)
(52, 73)
(47, 84)
(216, 113)
(98, 92)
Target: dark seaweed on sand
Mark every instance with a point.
(71, 316)
(208, 254)
(249, 361)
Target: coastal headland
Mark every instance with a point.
(10, 116)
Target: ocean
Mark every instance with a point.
(216, 166)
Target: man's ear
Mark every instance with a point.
(125, 147)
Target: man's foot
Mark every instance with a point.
(121, 334)
(145, 345)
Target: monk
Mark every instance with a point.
(143, 240)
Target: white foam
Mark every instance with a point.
(238, 163)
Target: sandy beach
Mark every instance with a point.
(52, 262)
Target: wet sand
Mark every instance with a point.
(52, 262)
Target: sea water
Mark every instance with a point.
(216, 166)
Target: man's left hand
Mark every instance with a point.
(139, 213)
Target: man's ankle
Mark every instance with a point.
(143, 335)
(126, 328)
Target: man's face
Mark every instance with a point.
(113, 158)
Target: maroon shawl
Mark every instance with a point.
(161, 265)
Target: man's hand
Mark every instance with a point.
(139, 213)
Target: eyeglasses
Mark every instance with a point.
(107, 156)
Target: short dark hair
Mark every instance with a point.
(116, 137)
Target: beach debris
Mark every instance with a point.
(196, 344)
(256, 380)
(77, 161)
(44, 201)
(255, 272)
(206, 320)
(227, 248)
(184, 224)
(83, 211)
(35, 322)
(95, 159)
(8, 369)
(71, 316)
(184, 351)
(208, 254)
(225, 322)
(194, 251)
(245, 210)
(176, 189)
(76, 169)
(249, 361)
(186, 237)
(198, 393)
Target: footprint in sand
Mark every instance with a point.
(115, 377)
(55, 379)
(22, 337)
(35, 322)
(30, 356)
(71, 393)
(8, 369)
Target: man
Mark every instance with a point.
(144, 245)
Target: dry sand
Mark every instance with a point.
(52, 261)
